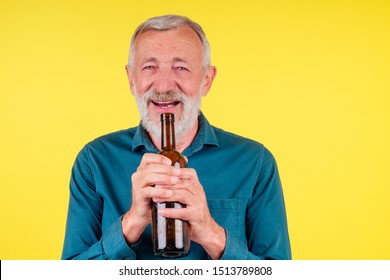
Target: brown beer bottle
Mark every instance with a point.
(171, 237)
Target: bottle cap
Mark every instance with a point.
(167, 116)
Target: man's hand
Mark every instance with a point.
(204, 230)
(153, 170)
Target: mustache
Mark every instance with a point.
(153, 95)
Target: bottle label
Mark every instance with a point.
(178, 223)
(179, 230)
(161, 226)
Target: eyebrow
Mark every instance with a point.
(155, 60)
(150, 59)
(178, 59)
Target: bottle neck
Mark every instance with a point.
(167, 132)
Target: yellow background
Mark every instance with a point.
(309, 79)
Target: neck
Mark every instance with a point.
(181, 142)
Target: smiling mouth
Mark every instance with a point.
(165, 104)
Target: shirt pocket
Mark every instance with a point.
(228, 213)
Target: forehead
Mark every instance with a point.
(179, 41)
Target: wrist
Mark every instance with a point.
(132, 227)
(215, 242)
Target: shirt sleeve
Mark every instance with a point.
(266, 222)
(84, 238)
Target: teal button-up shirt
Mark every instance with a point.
(239, 176)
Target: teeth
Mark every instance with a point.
(165, 104)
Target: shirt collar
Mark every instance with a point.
(141, 139)
(205, 136)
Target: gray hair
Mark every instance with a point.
(169, 22)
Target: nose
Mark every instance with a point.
(165, 80)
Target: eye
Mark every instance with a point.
(148, 67)
(181, 68)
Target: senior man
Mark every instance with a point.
(231, 188)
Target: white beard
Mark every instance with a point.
(151, 120)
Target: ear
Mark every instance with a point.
(130, 78)
(208, 79)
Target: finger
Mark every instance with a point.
(156, 174)
(180, 195)
(183, 185)
(188, 173)
(150, 179)
(159, 194)
(175, 213)
(161, 169)
(167, 187)
(149, 158)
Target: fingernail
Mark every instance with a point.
(175, 180)
(176, 171)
